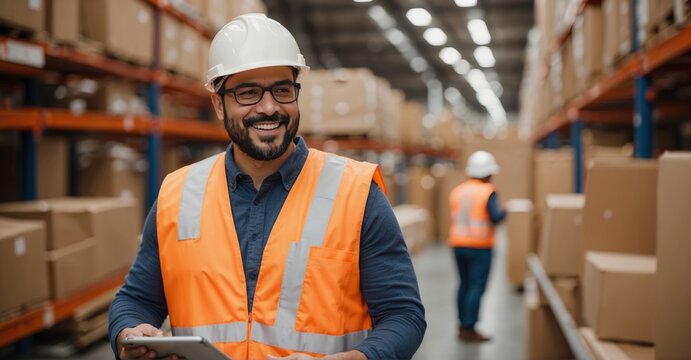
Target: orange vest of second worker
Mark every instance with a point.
(470, 223)
(308, 296)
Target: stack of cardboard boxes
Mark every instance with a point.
(622, 277)
(79, 240)
(415, 223)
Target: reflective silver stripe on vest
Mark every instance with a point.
(465, 226)
(288, 338)
(220, 333)
(283, 333)
(189, 216)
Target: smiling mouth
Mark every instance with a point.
(266, 125)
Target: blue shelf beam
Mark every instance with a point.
(577, 144)
(28, 166)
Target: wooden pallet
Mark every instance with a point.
(88, 325)
(23, 309)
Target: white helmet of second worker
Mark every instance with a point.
(481, 164)
(251, 41)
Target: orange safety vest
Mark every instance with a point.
(308, 296)
(470, 222)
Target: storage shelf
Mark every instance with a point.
(564, 319)
(54, 311)
(59, 119)
(170, 9)
(192, 129)
(38, 120)
(66, 60)
(619, 84)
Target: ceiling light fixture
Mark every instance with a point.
(362, 1)
(435, 36)
(419, 64)
(466, 3)
(461, 67)
(419, 17)
(484, 56)
(479, 32)
(449, 55)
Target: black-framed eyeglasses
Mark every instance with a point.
(283, 93)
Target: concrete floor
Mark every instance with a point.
(502, 314)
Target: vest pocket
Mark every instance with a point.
(321, 308)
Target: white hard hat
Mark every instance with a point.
(251, 41)
(481, 164)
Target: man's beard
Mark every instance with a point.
(241, 137)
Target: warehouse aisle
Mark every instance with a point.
(502, 313)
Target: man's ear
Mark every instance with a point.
(218, 106)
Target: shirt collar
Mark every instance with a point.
(288, 172)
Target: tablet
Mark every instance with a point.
(190, 347)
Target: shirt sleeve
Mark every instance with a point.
(141, 299)
(496, 213)
(388, 284)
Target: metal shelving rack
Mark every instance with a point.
(631, 80)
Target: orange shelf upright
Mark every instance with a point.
(54, 311)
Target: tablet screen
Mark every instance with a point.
(190, 347)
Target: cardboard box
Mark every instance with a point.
(239, 7)
(447, 177)
(420, 191)
(561, 234)
(673, 318)
(553, 174)
(520, 223)
(608, 350)
(412, 133)
(125, 27)
(24, 14)
(62, 21)
(190, 51)
(170, 51)
(52, 176)
(569, 291)
(587, 46)
(625, 27)
(544, 339)
(610, 46)
(108, 222)
(72, 268)
(339, 102)
(619, 296)
(64, 225)
(215, 13)
(620, 207)
(23, 267)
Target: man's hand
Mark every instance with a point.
(126, 352)
(349, 355)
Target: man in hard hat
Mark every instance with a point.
(271, 249)
(475, 211)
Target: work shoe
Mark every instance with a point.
(472, 336)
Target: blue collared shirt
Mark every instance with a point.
(387, 278)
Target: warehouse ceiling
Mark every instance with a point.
(334, 33)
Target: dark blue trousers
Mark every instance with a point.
(473, 268)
